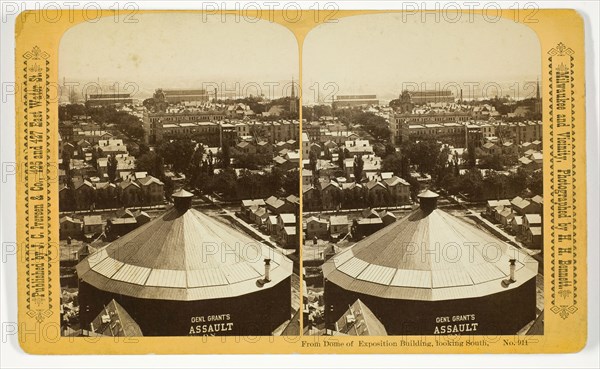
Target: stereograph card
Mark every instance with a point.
(301, 182)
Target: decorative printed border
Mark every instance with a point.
(36, 163)
(562, 181)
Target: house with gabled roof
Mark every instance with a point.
(377, 193)
(152, 190)
(316, 228)
(339, 226)
(534, 237)
(399, 189)
(130, 193)
(387, 217)
(70, 227)
(331, 195)
(92, 225)
(85, 194)
(523, 206)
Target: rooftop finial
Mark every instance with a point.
(428, 200)
(182, 200)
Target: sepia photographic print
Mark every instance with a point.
(422, 179)
(178, 178)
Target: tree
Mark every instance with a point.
(358, 166)
(251, 161)
(494, 161)
(66, 162)
(151, 163)
(518, 181)
(143, 149)
(177, 153)
(341, 157)
(312, 158)
(442, 165)
(275, 179)
(389, 149)
(291, 182)
(496, 182)
(227, 183)
(415, 186)
(168, 187)
(423, 154)
(225, 156)
(471, 183)
(150, 104)
(373, 124)
(450, 183)
(471, 158)
(536, 182)
(398, 164)
(96, 153)
(392, 163)
(67, 112)
(111, 168)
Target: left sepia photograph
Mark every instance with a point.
(179, 177)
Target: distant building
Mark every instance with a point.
(176, 96)
(431, 96)
(159, 125)
(346, 101)
(99, 100)
(446, 125)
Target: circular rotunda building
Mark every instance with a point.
(433, 273)
(186, 273)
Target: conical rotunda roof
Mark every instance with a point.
(429, 255)
(184, 255)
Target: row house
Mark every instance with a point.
(524, 206)
(387, 192)
(247, 204)
(310, 198)
(86, 195)
(286, 230)
(276, 205)
(532, 230)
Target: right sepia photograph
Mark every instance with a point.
(422, 182)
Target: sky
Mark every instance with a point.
(379, 54)
(179, 51)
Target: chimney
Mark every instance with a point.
(428, 201)
(267, 278)
(182, 200)
(267, 270)
(512, 269)
(511, 277)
